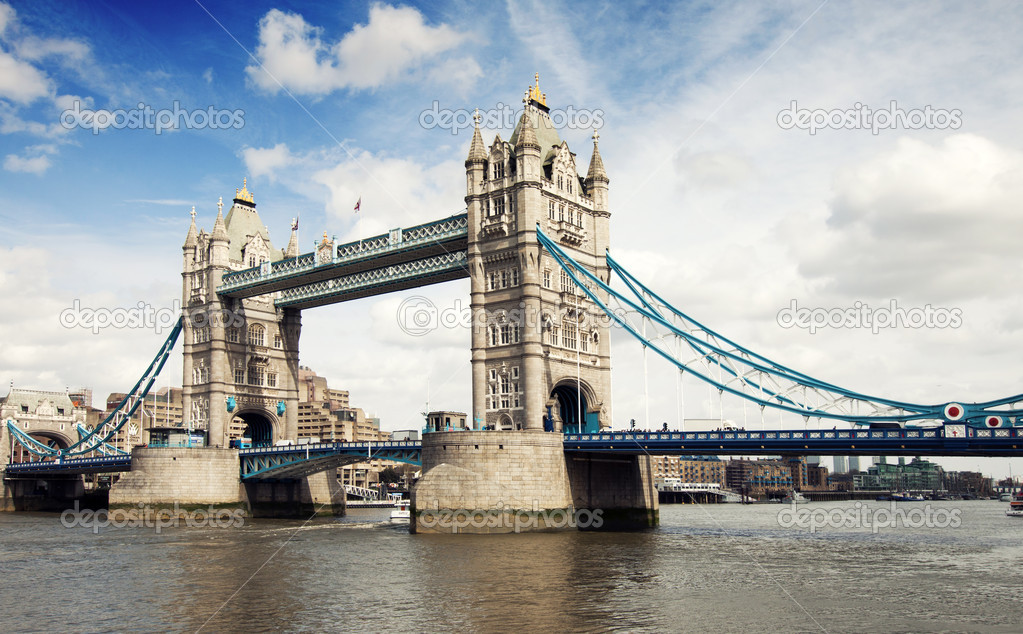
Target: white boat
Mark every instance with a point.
(1016, 506)
(401, 514)
(795, 497)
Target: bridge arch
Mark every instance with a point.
(48, 437)
(261, 426)
(569, 407)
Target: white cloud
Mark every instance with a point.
(395, 192)
(208, 75)
(30, 164)
(21, 82)
(394, 43)
(922, 220)
(6, 16)
(35, 49)
(267, 161)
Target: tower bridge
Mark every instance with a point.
(533, 241)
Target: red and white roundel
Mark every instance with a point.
(954, 411)
(993, 421)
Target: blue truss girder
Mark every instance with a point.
(294, 461)
(448, 235)
(411, 274)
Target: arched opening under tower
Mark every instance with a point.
(52, 440)
(257, 427)
(568, 408)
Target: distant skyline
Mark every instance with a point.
(831, 155)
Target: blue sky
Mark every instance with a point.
(727, 213)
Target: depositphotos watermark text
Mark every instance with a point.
(158, 518)
(144, 117)
(862, 117)
(865, 517)
(860, 315)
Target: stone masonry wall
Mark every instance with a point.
(199, 476)
(486, 471)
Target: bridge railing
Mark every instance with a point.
(65, 463)
(835, 434)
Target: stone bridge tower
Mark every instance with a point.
(540, 356)
(540, 351)
(240, 359)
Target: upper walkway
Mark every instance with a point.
(403, 258)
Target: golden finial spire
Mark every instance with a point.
(243, 194)
(534, 94)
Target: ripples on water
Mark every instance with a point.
(718, 567)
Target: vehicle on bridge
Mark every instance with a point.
(240, 443)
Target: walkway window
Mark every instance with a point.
(257, 335)
(568, 337)
(566, 282)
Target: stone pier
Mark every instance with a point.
(201, 477)
(520, 481)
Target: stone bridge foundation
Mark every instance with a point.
(520, 481)
(52, 494)
(202, 477)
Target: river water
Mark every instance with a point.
(957, 567)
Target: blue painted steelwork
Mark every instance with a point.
(113, 423)
(104, 448)
(424, 242)
(293, 461)
(69, 466)
(955, 439)
(389, 279)
(748, 375)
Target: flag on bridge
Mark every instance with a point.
(358, 204)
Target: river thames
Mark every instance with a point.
(709, 567)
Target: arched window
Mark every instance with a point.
(257, 335)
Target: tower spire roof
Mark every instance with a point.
(477, 152)
(192, 238)
(291, 251)
(596, 171)
(219, 228)
(527, 137)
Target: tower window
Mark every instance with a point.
(257, 335)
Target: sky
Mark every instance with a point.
(744, 176)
